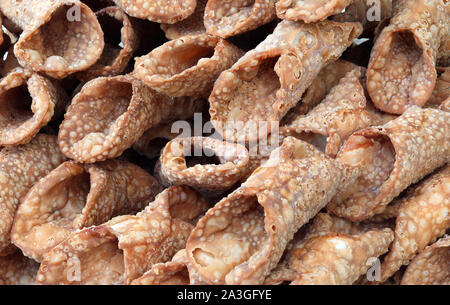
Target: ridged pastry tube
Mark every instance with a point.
(20, 168)
(242, 238)
(402, 69)
(269, 80)
(124, 248)
(59, 38)
(391, 158)
(310, 10)
(74, 196)
(225, 19)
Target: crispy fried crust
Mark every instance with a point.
(430, 267)
(209, 179)
(114, 58)
(340, 114)
(193, 25)
(310, 10)
(125, 247)
(187, 66)
(28, 101)
(174, 272)
(441, 91)
(59, 37)
(20, 168)
(75, 196)
(269, 80)
(109, 114)
(328, 77)
(365, 11)
(445, 106)
(225, 19)
(16, 269)
(244, 236)
(169, 11)
(402, 70)
(338, 259)
(422, 218)
(392, 157)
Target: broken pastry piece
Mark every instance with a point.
(174, 272)
(430, 267)
(310, 10)
(225, 19)
(16, 269)
(20, 168)
(269, 80)
(422, 218)
(193, 25)
(75, 196)
(338, 259)
(109, 114)
(340, 114)
(124, 248)
(116, 26)
(208, 165)
(168, 11)
(28, 101)
(369, 13)
(391, 157)
(187, 66)
(59, 38)
(402, 69)
(242, 238)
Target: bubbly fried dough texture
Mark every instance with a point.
(338, 259)
(310, 10)
(124, 248)
(74, 196)
(193, 25)
(340, 114)
(242, 238)
(269, 80)
(402, 69)
(187, 66)
(174, 272)
(28, 101)
(225, 19)
(20, 168)
(114, 58)
(430, 267)
(16, 269)
(445, 106)
(422, 218)
(328, 77)
(369, 13)
(441, 91)
(109, 114)
(392, 157)
(59, 37)
(168, 11)
(186, 161)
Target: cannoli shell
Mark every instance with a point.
(193, 25)
(16, 269)
(310, 10)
